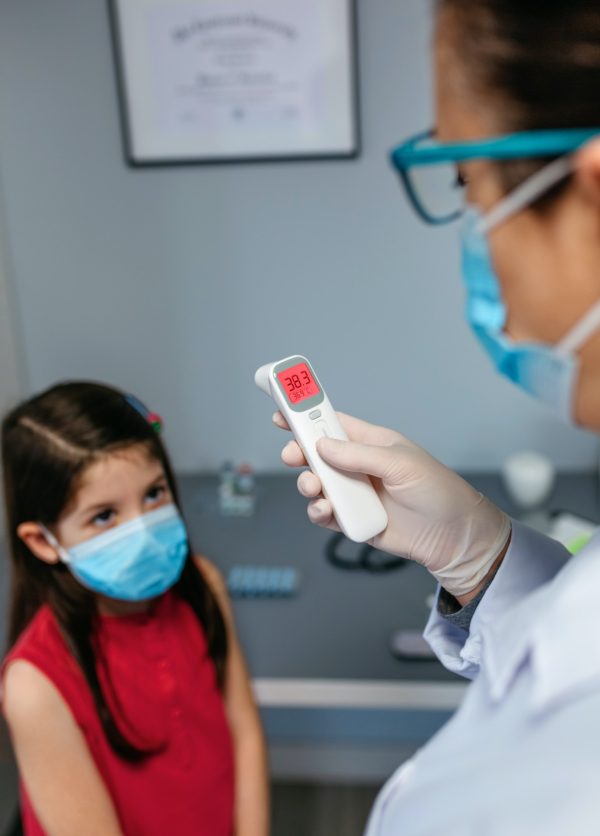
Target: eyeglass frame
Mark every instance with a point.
(516, 146)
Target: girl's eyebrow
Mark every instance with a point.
(96, 507)
(161, 477)
(99, 506)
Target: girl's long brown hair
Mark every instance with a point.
(47, 443)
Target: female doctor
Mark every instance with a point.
(518, 108)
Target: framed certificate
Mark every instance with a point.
(229, 80)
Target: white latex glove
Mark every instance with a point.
(435, 517)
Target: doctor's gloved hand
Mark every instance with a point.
(435, 517)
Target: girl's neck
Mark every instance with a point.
(112, 607)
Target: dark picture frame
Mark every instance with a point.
(297, 109)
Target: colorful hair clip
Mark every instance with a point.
(153, 418)
(156, 421)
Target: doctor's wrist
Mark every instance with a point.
(467, 597)
(477, 545)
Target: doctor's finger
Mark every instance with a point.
(309, 485)
(366, 433)
(292, 455)
(280, 421)
(320, 513)
(373, 459)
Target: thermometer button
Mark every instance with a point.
(316, 413)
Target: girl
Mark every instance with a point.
(125, 689)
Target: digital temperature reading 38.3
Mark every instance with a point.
(300, 397)
(298, 383)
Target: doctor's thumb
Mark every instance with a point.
(354, 457)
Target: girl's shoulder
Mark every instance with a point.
(41, 637)
(27, 694)
(45, 665)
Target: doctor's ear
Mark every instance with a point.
(587, 170)
(32, 534)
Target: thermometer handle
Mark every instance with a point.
(356, 505)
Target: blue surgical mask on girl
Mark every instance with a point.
(548, 372)
(134, 561)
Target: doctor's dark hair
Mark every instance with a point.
(537, 64)
(47, 444)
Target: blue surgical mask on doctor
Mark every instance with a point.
(548, 372)
(134, 561)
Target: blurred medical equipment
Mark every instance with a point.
(345, 554)
(410, 645)
(263, 581)
(528, 478)
(237, 490)
(572, 531)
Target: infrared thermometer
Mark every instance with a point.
(296, 390)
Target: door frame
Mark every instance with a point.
(12, 377)
(11, 360)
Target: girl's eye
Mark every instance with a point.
(104, 518)
(156, 493)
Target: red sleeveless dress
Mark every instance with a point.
(163, 693)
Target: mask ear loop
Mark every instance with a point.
(52, 541)
(523, 196)
(528, 192)
(581, 331)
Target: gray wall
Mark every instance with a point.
(177, 283)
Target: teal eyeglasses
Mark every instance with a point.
(428, 169)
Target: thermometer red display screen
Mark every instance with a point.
(298, 383)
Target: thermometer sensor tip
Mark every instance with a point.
(262, 377)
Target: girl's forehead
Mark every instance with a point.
(118, 471)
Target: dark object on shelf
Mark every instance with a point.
(344, 554)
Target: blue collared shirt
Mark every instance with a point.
(521, 756)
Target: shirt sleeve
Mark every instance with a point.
(532, 559)
(451, 610)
